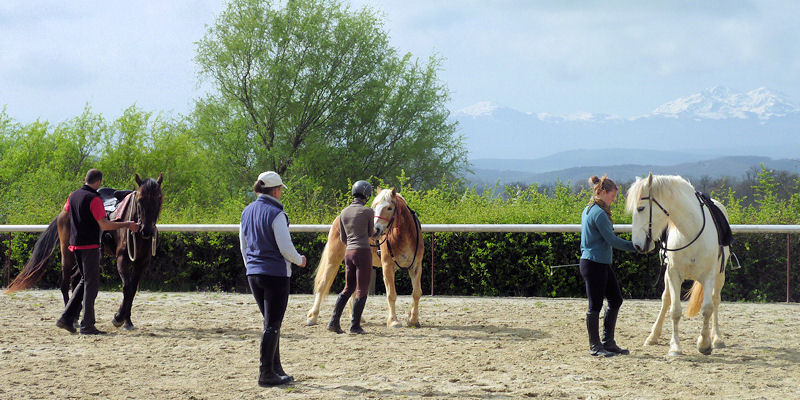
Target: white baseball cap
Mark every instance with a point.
(271, 179)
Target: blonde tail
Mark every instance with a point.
(320, 286)
(695, 299)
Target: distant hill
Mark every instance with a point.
(490, 172)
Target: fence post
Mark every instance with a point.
(788, 274)
(433, 247)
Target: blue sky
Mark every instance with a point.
(560, 57)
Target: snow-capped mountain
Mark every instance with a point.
(719, 120)
(722, 103)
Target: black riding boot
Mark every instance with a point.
(358, 308)
(276, 361)
(334, 326)
(267, 376)
(595, 346)
(609, 324)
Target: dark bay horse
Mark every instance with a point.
(132, 251)
(401, 245)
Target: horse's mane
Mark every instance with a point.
(663, 186)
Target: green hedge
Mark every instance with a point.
(471, 264)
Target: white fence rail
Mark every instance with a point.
(530, 228)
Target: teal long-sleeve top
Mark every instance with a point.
(597, 236)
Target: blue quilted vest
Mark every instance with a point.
(263, 256)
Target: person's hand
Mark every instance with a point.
(133, 226)
(303, 265)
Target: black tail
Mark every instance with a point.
(37, 265)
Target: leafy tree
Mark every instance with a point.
(314, 89)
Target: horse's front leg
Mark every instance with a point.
(655, 331)
(391, 295)
(704, 340)
(416, 282)
(674, 285)
(717, 339)
(122, 269)
(130, 284)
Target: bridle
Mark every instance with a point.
(386, 236)
(135, 212)
(649, 238)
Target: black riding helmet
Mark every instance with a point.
(362, 189)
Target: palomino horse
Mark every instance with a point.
(669, 207)
(129, 248)
(401, 247)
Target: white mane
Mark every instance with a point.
(384, 196)
(664, 187)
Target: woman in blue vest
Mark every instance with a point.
(268, 254)
(597, 239)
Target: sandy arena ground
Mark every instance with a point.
(205, 346)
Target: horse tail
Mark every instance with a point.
(322, 285)
(319, 279)
(37, 264)
(695, 299)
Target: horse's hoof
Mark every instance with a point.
(116, 323)
(650, 342)
(719, 345)
(311, 320)
(129, 327)
(675, 353)
(395, 324)
(706, 351)
(413, 324)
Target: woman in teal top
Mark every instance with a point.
(597, 239)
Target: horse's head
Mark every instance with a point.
(385, 208)
(148, 204)
(649, 218)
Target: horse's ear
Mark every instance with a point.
(160, 178)
(650, 179)
(394, 192)
(137, 179)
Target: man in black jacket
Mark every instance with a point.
(88, 220)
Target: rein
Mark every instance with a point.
(649, 238)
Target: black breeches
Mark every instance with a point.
(600, 282)
(272, 296)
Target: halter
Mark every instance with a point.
(389, 244)
(649, 238)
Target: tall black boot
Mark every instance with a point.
(267, 376)
(358, 308)
(334, 326)
(609, 324)
(276, 361)
(595, 346)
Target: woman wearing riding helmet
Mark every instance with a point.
(356, 225)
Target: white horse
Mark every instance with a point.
(400, 239)
(670, 205)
